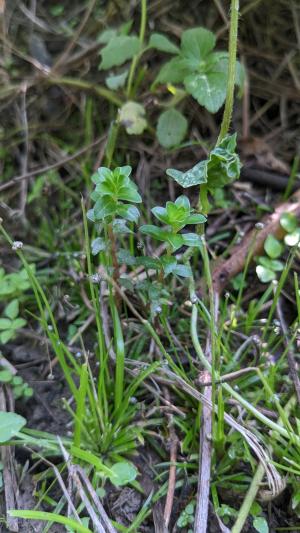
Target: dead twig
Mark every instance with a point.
(172, 471)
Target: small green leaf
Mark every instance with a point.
(129, 212)
(273, 247)
(5, 323)
(192, 240)
(98, 245)
(184, 271)
(288, 222)
(120, 227)
(124, 473)
(272, 264)
(173, 71)
(197, 43)
(171, 128)
(148, 262)
(168, 264)
(265, 275)
(116, 81)
(18, 323)
(5, 376)
(161, 214)
(107, 35)
(104, 207)
(5, 336)
(260, 524)
(10, 425)
(194, 176)
(132, 117)
(125, 257)
(162, 43)
(208, 88)
(155, 232)
(223, 164)
(119, 50)
(197, 218)
(292, 239)
(12, 309)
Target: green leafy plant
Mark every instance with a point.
(202, 71)
(20, 389)
(15, 283)
(11, 322)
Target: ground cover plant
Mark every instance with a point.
(149, 290)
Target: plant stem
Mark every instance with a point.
(231, 69)
(136, 57)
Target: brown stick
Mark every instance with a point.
(172, 470)
(225, 271)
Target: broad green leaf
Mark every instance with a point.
(183, 201)
(194, 176)
(5, 323)
(176, 241)
(98, 245)
(129, 193)
(123, 473)
(132, 117)
(116, 81)
(173, 72)
(91, 215)
(119, 50)
(208, 88)
(5, 336)
(272, 264)
(161, 42)
(273, 247)
(129, 212)
(12, 309)
(265, 275)
(10, 425)
(171, 128)
(191, 239)
(120, 227)
(260, 524)
(292, 239)
(288, 222)
(197, 43)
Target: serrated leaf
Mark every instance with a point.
(98, 245)
(197, 43)
(265, 275)
(162, 43)
(171, 128)
(273, 247)
(288, 222)
(223, 166)
(189, 178)
(132, 117)
(208, 88)
(116, 81)
(106, 36)
(124, 473)
(12, 309)
(192, 240)
(10, 425)
(119, 50)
